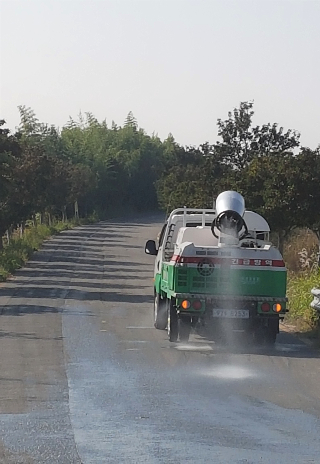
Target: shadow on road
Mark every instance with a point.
(77, 265)
(27, 336)
(22, 310)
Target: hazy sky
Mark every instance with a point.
(178, 65)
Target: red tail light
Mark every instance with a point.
(197, 305)
(265, 307)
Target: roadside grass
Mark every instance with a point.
(300, 255)
(15, 254)
(300, 298)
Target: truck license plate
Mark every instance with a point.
(232, 313)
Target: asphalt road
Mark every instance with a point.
(85, 378)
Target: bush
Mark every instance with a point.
(301, 251)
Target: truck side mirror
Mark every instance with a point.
(151, 248)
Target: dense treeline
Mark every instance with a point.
(84, 168)
(88, 167)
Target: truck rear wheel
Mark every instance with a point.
(270, 335)
(160, 312)
(266, 335)
(172, 321)
(184, 327)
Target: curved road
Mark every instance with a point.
(85, 378)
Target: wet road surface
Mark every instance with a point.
(85, 378)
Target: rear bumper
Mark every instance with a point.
(250, 305)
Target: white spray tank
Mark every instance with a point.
(229, 222)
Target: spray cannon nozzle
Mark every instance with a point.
(230, 223)
(230, 209)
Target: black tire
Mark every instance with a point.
(258, 336)
(160, 312)
(265, 336)
(272, 332)
(270, 336)
(184, 326)
(172, 322)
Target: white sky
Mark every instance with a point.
(178, 65)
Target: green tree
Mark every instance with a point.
(192, 178)
(10, 152)
(307, 184)
(131, 121)
(31, 180)
(270, 186)
(29, 123)
(241, 142)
